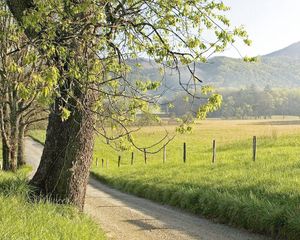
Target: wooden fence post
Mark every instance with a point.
(254, 148)
(119, 161)
(214, 152)
(184, 152)
(165, 154)
(96, 162)
(132, 157)
(145, 155)
(102, 163)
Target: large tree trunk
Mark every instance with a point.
(64, 169)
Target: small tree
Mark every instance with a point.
(18, 86)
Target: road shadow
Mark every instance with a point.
(143, 225)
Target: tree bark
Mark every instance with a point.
(5, 156)
(6, 130)
(64, 169)
(14, 144)
(17, 7)
(14, 118)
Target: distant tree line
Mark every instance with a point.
(249, 102)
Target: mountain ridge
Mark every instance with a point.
(292, 50)
(279, 69)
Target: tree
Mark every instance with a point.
(18, 87)
(86, 44)
(228, 109)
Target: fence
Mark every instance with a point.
(184, 154)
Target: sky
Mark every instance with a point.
(271, 24)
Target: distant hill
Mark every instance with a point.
(292, 51)
(277, 69)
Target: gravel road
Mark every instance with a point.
(125, 217)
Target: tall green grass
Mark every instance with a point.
(21, 219)
(262, 196)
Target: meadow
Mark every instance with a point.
(261, 196)
(22, 219)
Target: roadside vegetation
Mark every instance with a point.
(261, 196)
(21, 219)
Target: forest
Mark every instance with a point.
(247, 103)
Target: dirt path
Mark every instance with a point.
(125, 217)
(33, 153)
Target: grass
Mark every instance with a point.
(261, 196)
(38, 136)
(21, 219)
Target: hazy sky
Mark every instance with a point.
(271, 24)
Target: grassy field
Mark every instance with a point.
(21, 219)
(262, 196)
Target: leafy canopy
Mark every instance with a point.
(87, 44)
(19, 64)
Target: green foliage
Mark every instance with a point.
(199, 105)
(252, 102)
(88, 43)
(22, 219)
(250, 59)
(21, 69)
(249, 102)
(213, 103)
(65, 114)
(147, 86)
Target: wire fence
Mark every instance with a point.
(184, 155)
